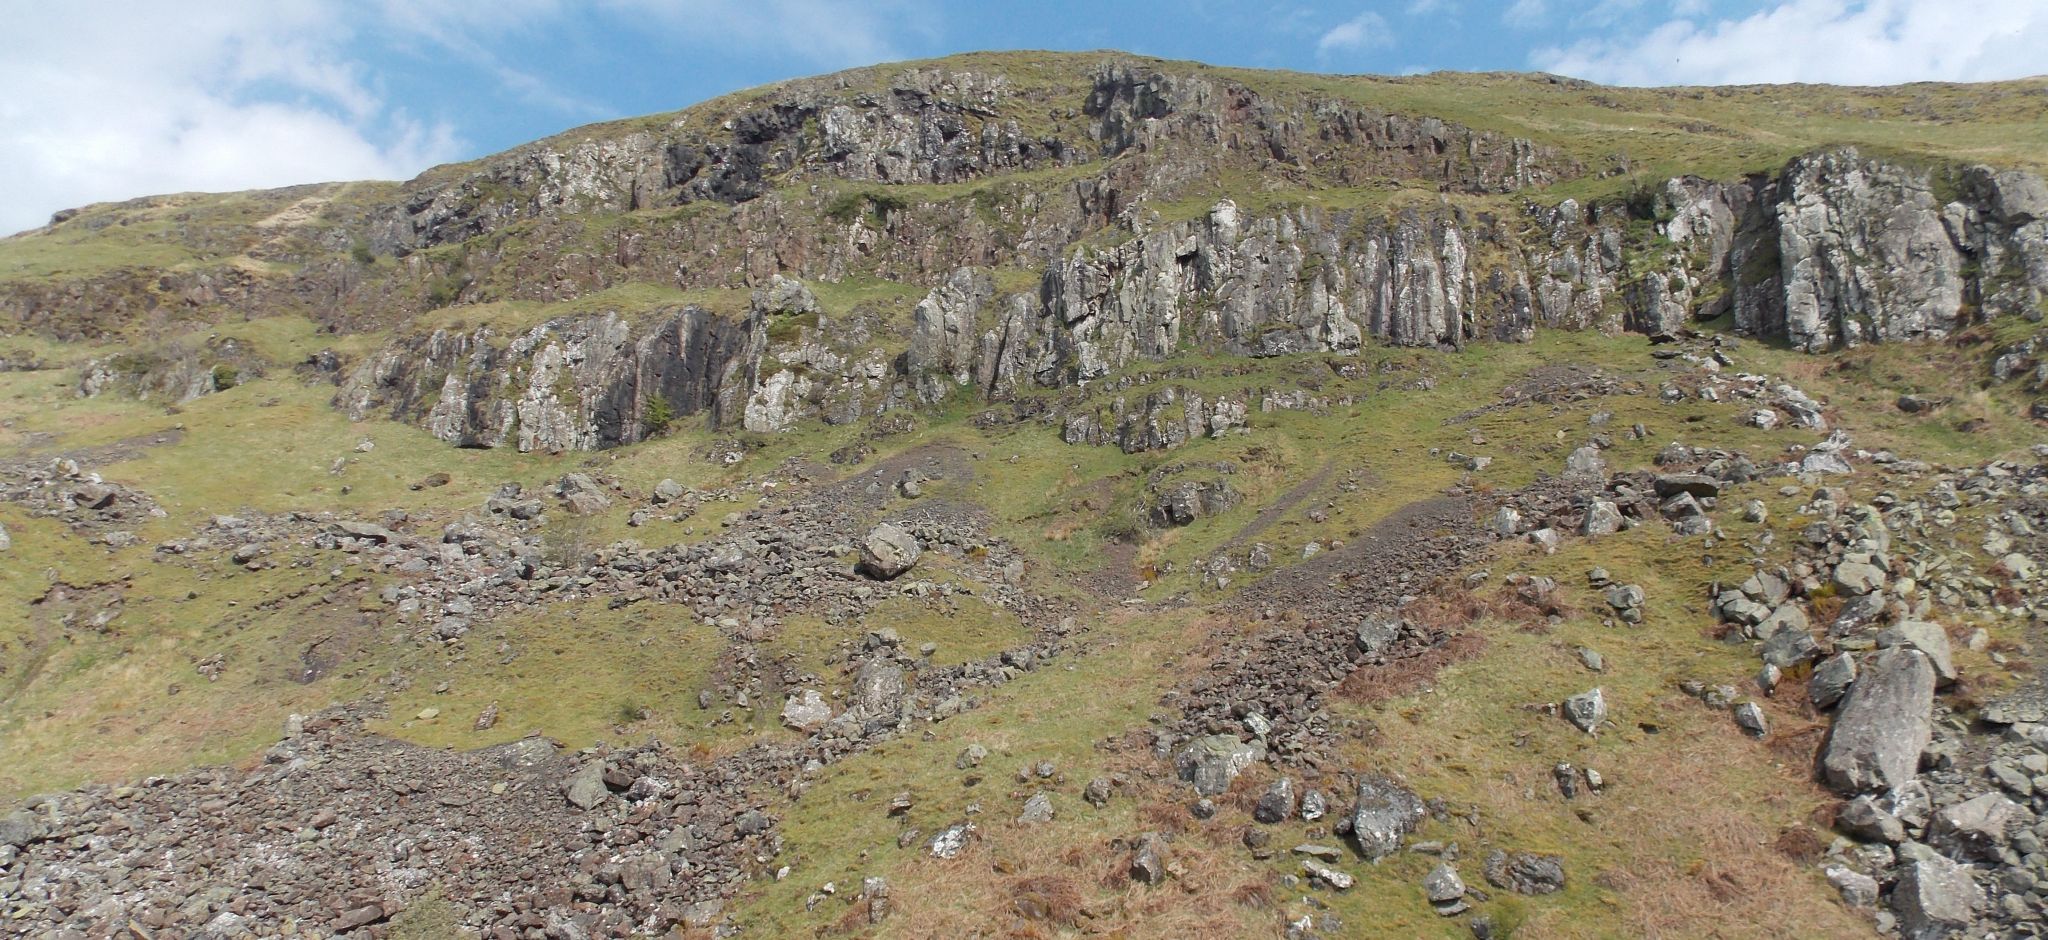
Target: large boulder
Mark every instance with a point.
(878, 690)
(888, 550)
(1883, 723)
(1928, 638)
(1212, 762)
(1935, 898)
(806, 711)
(1384, 813)
(585, 788)
(1976, 828)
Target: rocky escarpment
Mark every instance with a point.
(1835, 250)
(932, 125)
(572, 383)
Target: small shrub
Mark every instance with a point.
(360, 252)
(657, 416)
(225, 377)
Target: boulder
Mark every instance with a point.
(1935, 898)
(1790, 645)
(806, 711)
(888, 550)
(1695, 485)
(1602, 518)
(1928, 638)
(1148, 859)
(1862, 818)
(1385, 812)
(1212, 762)
(585, 787)
(1977, 828)
(1857, 578)
(1586, 710)
(1831, 680)
(1276, 805)
(1525, 873)
(1883, 724)
(19, 828)
(1037, 809)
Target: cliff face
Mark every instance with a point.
(580, 383)
(1066, 224)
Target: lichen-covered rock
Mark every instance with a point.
(1883, 723)
(888, 550)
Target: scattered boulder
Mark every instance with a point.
(888, 550)
(1831, 680)
(1975, 829)
(1445, 890)
(1384, 814)
(1037, 809)
(1586, 710)
(1525, 873)
(1883, 724)
(1934, 899)
(585, 787)
(806, 711)
(1148, 859)
(1276, 805)
(1928, 638)
(1213, 761)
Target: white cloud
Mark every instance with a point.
(1877, 42)
(1525, 14)
(1363, 31)
(1424, 7)
(111, 101)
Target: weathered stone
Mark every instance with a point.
(1831, 680)
(888, 550)
(1212, 762)
(585, 788)
(806, 711)
(1882, 725)
(1934, 899)
(1928, 638)
(1864, 819)
(1384, 813)
(1586, 710)
(1276, 805)
(1148, 859)
(1977, 828)
(1525, 873)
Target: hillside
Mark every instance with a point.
(1033, 494)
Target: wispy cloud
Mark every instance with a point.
(1526, 14)
(234, 94)
(1367, 30)
(1876, 42)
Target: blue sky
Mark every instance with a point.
(110, 99)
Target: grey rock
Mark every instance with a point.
(951, 841)
(1750, 718)
(1831, 680)
(1928, 638)
(1212, 762)
(1882, 725)
(1857, 578)
(1276, 805)
(1442, 885)
(1602, 518)
(1856, 888)
(1586, 710)
(1863, 819)
(1037, 809)
(1977, 828)
(806, 711)
(1525, 873)
(1149, 859)
(1790, 645)
(1385, 812)
(585, 787)
(20, 828)
(888, 550)
(1935, 898)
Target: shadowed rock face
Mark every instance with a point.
(576, 383)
